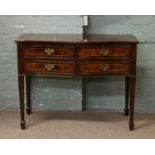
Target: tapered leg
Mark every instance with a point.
(126, 109)
(132, 101)
(83, 94)
(28, 94)
(21, 99)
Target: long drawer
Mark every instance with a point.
(104, 52)
(51, 67)
(104, 67)
(49, 52)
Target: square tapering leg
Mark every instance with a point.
(126, 109)
(21, 100)
(132, 101)
(28, 94)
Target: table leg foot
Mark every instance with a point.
(23, 125)
(131, 126)
(28, 111)
(126, 112)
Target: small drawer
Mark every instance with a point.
(51, 52)
(104, 68)
(49, 67)
(104, 52)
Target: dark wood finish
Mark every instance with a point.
(48, 52)
(98, 67)
(28, 94)
(132, 81)
(48, 67)
(103, 52)
(77, 39)
(126, 109)
(72, 55)
(83, 93)
(21, 84)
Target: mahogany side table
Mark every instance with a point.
(74, 55)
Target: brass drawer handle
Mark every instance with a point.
(104, 52)
(104, 67)
(49, 67)
(49, 51)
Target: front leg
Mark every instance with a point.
(126, 109)
(28, 94)
(21, 99)
(132, 101)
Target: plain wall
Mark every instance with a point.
(47, 93)
(108, 92)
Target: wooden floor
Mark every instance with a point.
(76, 125)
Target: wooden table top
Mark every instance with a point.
(77, 38)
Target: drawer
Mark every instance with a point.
(104, 68)
(50, 67)
(51, 52)
(104, 52)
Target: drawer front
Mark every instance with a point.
(104, 52)
(49, 67)
(58, 52)
(104, 68)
